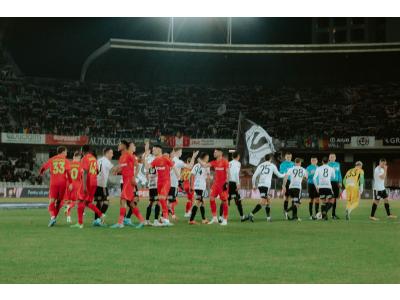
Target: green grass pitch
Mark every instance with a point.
(358, 251)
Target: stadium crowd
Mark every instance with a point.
(117, 110)
(20, 168)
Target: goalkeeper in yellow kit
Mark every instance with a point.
(354, 184)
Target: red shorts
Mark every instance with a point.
(71, 195)
(127, 192)
(218, 190)
(163, 188)
(57, 190)
(89, 195)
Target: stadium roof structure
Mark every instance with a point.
(235, 49)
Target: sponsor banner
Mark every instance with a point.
(291, 144)
(332, 143)
(24, 192)
(340, 140)
(362, 142)
(52, 139)
(23, 138)
(211, 143)
(174, 141)
(106, 141)
(391, 141)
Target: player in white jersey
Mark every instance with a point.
(234, 186)
(141, 179)
(380, 174)
(104, 167)
(264, 173)
(151, 175)
(296, 174)
(323, 177)
(199, 182)
(176, 175)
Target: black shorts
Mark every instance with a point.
(173, 192)
(312, 191)
(263, 192)
(335, 189)
(199, 194)
(295, 194)
(232, 190)
(378, 195)
(153, 195)
(325, 193)
(101, 194)
(287, 188)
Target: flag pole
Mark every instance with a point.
(238, 129)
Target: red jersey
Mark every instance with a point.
(127, 160)
(163, 165)
(220, 166)
(59, 166)
(76, 173)
(89, 164)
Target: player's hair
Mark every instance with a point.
(85, 148)
(132, 142)
(382, 160)
(105, 150)
(267, 157)
(314, 157)
(203, 155)
(332, 153)
(61, 149)
(298, 160)
(287, 153)
(324, 160)
(219, 149)
(77, 153)
(359, 163)
(176, 149)
(188, 159)
(235, 154)
(125, 142)
(157, 146)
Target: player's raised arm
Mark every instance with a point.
(44, 167)
(191, 163)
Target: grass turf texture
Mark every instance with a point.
(358, 251)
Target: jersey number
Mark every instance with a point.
(298, 172)
(92, 168)
(265, 170)
(325, 174)
(74, 173)
(58, 167)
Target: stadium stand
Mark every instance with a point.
(113, 110)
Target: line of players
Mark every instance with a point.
(85, 179)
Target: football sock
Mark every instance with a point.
(213, 206)
(316, 208)
(285, 205)
(81, 209)
(240, 207)
(203, 212)
(310, 205)
(104, 207)
(221, 209)
(294, 208)
(51, 209)
(156, 211)
(148, 210)
(57, 209)
(98, 205)
(122, 212)
(256, 209)
(164, 208)
(138, 215)
(387, 207)
(268, 210)
(129, 214)
(334, 208)
(373, 210)
(193, 214)
(225, 209)
(94, 209)
(189, 204)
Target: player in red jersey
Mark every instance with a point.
(185, 175)
(126, 166)
(74, 182)
(163, 165)
(59, 173)
(220, 185)
(87, 188)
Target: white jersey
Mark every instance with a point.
(178, 164)
(323, 176)
(141, 175)
(379, 183)
(234, 171)
(104, 167)
(200, 177)
(296, 175)
(265, 170)
(152, 173)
